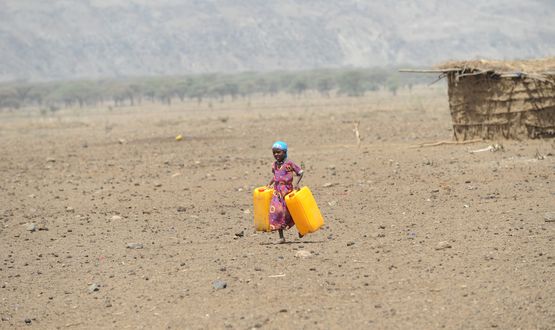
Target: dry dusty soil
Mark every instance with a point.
(106, 221)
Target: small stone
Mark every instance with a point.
(443, 245)
(283, 310)
(219, 284)
(181, 209)
(70, 209)
(549, 217)
(50, 160)
(28, 321)
(116, 217)
(31, 227)
(240, 234)
(303, 254)
(94, 287)
(328, 184)
(350, 243)
(135, 246)
(158, 185)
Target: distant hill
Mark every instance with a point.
(69, 39)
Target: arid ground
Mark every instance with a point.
(106, 221)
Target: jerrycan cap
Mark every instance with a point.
(261, 189)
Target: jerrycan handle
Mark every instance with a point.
(293, 192)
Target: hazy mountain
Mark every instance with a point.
(59, 39)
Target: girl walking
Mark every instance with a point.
(283, 170)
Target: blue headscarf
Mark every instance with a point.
(281, 146)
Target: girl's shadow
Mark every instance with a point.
(291, 242)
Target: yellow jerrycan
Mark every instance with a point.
(262, 196)
(304, 210)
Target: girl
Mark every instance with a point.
(283, 170)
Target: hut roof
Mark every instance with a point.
(544, 66)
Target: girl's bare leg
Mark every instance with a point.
(281, 237)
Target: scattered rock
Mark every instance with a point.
(443, 245)
(70, 209)
(350, 243)
(240, 234)
(135, 246)
(158, 185)
(181, 209)
(50, 160)
(116, 217)
(94, 287)
(329, 184)
(549, 217)
(31, 227)
(219, 284)
(303, 254)
(28, 321)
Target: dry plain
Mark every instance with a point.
(106, 221)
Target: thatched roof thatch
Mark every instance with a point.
(534, 66)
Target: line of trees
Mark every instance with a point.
(133, 91)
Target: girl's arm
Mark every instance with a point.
(297, 187)
(273, 177)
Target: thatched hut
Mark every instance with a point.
(501, 99)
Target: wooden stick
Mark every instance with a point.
(357, 133)
(434, 144)
(430, 70)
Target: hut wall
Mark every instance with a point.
(490, 107)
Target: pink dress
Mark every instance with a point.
(283, 184)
